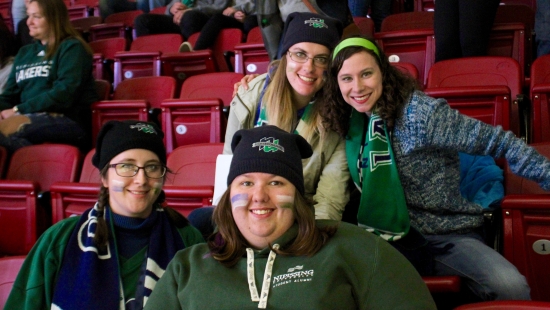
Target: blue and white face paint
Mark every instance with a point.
(239, 200)
(284, 201)
(117, 186)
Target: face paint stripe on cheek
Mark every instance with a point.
(157, 187)
(118, 186)
(285, 201)
(239, 200)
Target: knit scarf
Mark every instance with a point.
(383, 208)
(89, 277)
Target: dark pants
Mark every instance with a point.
(379, 9)
(192, 21)
(45, 128)
(216, 23)
(462, 27)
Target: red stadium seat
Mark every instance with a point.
(251, 57)
(143, 58)
(424, 5)
(78, 11)
(73, 198)
(3, 160)
(191, 185)
(32, 171)
(512, 40)
(9, 268)
(526, 229)
(365, 25)
(540, 100)
(407, 68)
(409, 37)
(197, 116)
(133, 99)
(486, 88)
(103, 89)
(104, 56)
(115, 25)
(506, 305)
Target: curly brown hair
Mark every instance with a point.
(397, 88)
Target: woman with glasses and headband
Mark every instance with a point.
(112, 256)
(285, 97)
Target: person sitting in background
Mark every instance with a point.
(112, 256)
(403, 155)
(108, 7)
(286, 97)
(241, 16)
(269, 246)
(272, 14)
(7, 51)
(180, 17)
(379, 9)
(49, 92)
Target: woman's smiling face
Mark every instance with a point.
(360, 82)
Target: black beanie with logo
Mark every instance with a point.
(269, 149)
(309, 27)
(116, 137)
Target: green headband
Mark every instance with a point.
(355, 42)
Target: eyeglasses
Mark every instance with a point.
(130, 170)
(301, 57)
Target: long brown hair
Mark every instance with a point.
(397, 89)
(56, 15)
(228, 245)
(279, 104)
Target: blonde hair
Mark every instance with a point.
(280, 108)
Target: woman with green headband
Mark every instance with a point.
(403, 150)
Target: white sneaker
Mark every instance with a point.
(186, 47)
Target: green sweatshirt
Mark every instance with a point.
(33, 288)
(63, 84)
(354, 270)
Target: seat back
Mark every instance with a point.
(85, 23)
(9, 268)
(103, 89)
(3, 160)
(407, 68)
(254, 35)
(191, 185)
(165, 43)
(211, 85)
(71, 198)
(108, 47)
(408, 21)
(193, 164)
(513, 40)
(526, 229)
(224, 48)
(127, 17)
(107, 110)
(154, 89)
(189, 121)
(409, 37)
(365, 25)
(33, 169)
(424, 5)
(45, 164)
(183, 65)
(477, 83)
(540, 100)
(506, 305)
(77, 11)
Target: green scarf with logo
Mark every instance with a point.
(383, 208)
(262, 119)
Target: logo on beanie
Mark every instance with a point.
(316, 22)
(146, 128)
(268, 145)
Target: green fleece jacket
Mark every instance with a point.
(33, 288)
(63, 84)
(354, 270)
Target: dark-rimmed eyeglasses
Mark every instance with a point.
(153, 171)
(301, 57)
